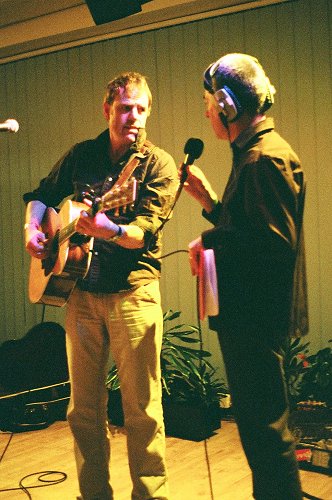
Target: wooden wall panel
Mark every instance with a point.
(322, 95)
(57, 99)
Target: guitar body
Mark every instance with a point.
(52, 280)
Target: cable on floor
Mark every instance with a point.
(43, 476)
(207, 459)
(7, 445)
(311, 497)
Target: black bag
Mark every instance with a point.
(37, 360)
(34, 387)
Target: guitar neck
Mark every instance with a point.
(119, 196)
(68, 231)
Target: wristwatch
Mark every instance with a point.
(117, 235)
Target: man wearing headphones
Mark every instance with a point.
(258, 246)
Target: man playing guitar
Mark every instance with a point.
(114, 306)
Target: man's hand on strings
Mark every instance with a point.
(36, 242)
(97, 226)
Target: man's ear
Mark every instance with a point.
(106, 110)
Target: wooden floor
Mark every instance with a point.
(214, 469)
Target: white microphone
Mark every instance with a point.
(9, 125)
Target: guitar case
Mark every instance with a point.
(34, 387)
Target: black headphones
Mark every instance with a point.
(229, 102)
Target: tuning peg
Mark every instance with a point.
(89, 195)
(95, 204)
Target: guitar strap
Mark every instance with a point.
(127, 170)
(138, 149)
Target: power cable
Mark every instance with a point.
(7, 446)
(43, 476)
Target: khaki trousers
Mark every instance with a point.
(129, 325)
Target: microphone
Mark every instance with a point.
(193, 150)
(139, 142)
(9, 125)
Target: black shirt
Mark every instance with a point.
(87, 165)
(257, 234)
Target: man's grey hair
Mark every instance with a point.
(245, 76)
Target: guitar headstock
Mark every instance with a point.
(119, 196)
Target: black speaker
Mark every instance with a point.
(105, 11)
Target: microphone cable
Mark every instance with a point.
(44, 477)
(193, 150)
(311, 497)
(199, 325)
(200, 361)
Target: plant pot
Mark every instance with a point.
(183, 420)
(114, 408)
(194, 422)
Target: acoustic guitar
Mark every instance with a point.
(51, 280)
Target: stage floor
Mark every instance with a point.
(214, 469)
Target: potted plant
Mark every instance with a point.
(309, 380)
(191, 389)
(309, 377)
(295, 365)
(317, 379)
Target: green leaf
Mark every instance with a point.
(170, 315)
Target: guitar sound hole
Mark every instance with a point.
(48, 265)
(79, 239)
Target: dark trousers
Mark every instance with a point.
(255, 376)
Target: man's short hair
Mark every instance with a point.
(128, 79)
(246, 78)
